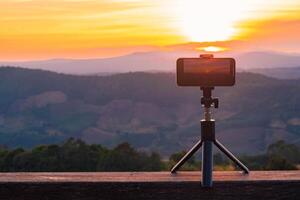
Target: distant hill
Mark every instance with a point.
(269, 60)
(154, 61)
(281, 73)
(146, 109)
(147, 61)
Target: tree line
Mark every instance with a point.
(74, 155)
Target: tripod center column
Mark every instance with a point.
(208, 137)
(207, 114)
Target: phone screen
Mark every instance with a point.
(207, 66)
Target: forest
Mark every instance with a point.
(74, 155)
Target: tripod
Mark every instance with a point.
(207, 140)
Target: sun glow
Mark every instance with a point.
(212, 49)
(45, 29)
(213, 20)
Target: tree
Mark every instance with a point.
(177, 156)
(126, 158)
(279, 163)
(290, 152)
(191, 163)
(219, 159)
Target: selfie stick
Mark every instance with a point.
(207, 140)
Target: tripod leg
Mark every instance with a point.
(187, 156)
(231, 156)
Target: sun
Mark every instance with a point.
(212, 49)
(210, 20)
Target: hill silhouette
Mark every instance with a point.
(155, 60)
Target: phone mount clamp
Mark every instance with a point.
(207, 141)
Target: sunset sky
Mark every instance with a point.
(44, 29)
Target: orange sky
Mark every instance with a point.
(42, 29)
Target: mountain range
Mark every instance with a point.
(156, 61)
(147, 110)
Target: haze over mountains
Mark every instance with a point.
(157, 61)
(147, 110)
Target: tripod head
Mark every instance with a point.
(207, 101)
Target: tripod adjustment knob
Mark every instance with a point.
(208, 102)
(202, 101)
(216, 102)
